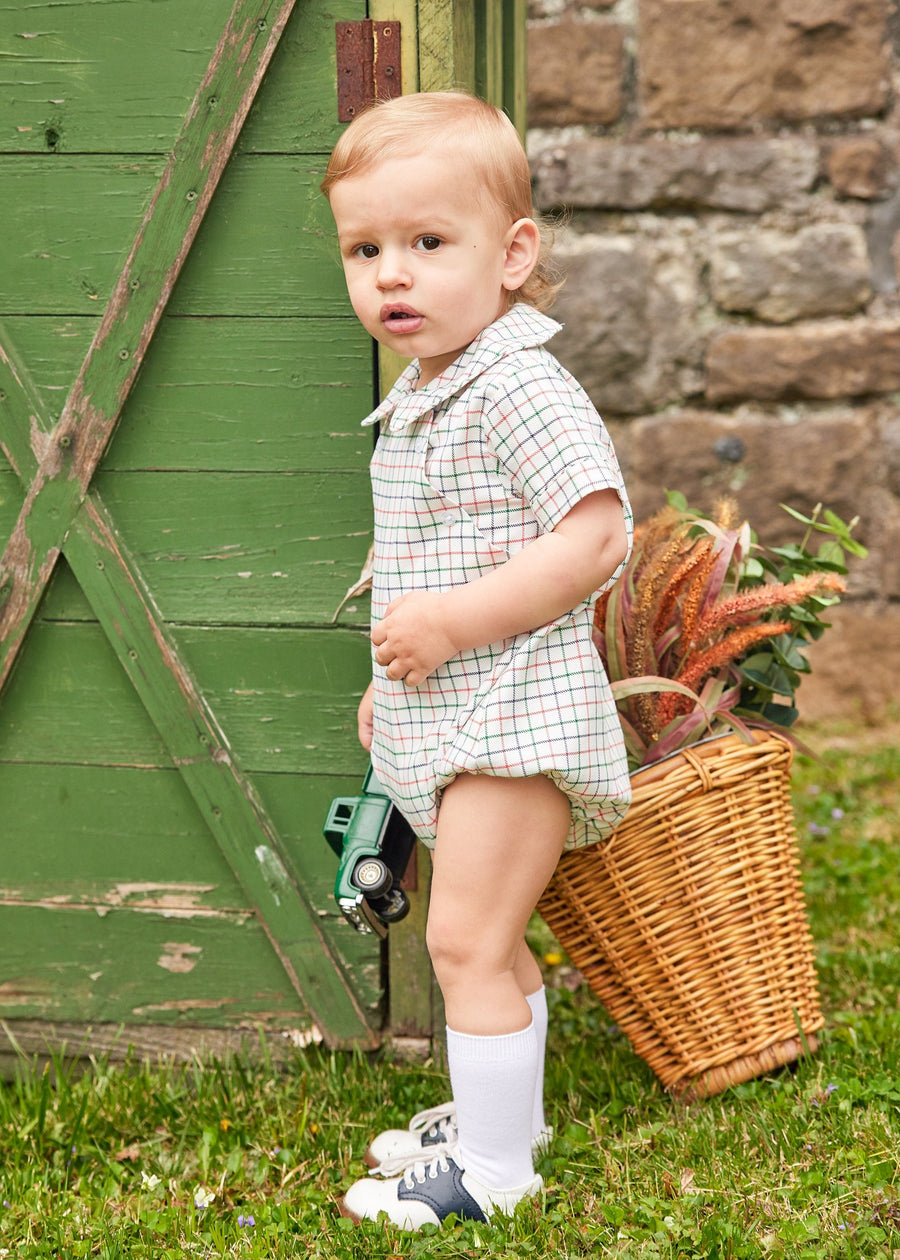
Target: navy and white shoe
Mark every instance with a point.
(431, 1132)
(427, 1193)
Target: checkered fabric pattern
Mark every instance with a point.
(467, 471)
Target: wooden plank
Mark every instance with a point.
(112, 838)
(489, 51)
(227, 802)
(69, 702)
(131, 965)
(287, 699)
(87, 76)
(245, 548)
(93, 77)
(55, 261)
(447, 45)
(515, 62)
(240, 394)
(48, 1041)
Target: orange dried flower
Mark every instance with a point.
(773, 595)
(728, 649)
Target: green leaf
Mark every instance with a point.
(798, 516)
(781, 714)
(831, 552)
(676, 499)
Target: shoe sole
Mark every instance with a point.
(347, 1214)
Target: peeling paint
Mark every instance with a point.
(158, 896)
(303, 1037)
(176, 957)
(184, 1004)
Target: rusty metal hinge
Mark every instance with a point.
(368, 65)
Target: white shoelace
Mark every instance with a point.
(426, 1168)
(444, 1113)
(425, 1165)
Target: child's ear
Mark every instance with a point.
(523, 245)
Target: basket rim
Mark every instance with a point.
(707, 749)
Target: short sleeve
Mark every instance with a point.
(545, 432)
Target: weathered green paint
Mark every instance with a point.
(258, 394)
(91, 76)
(68, 460)
(287, 699)
(120, 965)
(190, 733)
(161, 863)
(268, 250)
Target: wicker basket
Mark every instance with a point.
(690, 924)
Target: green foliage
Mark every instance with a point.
(770, 676)
(110, 1162)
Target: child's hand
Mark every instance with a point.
(411, 640)
(364, 719)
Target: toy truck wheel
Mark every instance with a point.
(371, 877)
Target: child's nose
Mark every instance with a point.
(392, 273)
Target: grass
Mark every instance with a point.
(118, 1162)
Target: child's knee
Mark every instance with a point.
(446, 947)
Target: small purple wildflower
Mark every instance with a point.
(6, 1203)
(829, 1089)
(246, 1222)
(837, 813)
(816, 829)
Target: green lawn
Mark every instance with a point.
(115, 1162)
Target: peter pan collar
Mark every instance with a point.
(521, 328)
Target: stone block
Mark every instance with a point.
(834, 359)
(821, 270)
(855, 666)
(575, 72)
(760, 461)
(629, 310)
(859, 166)
(734, 63)
(745, 175)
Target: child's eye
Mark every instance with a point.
(366, 251)
(429, 243)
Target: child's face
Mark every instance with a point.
(424, 256)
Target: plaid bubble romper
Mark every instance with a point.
(467, 471)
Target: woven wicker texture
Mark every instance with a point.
(690, 925)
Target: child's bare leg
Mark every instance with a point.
(498, 843)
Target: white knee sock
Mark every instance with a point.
(538, 1003)
(493, 1081)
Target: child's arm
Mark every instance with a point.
(552, 575)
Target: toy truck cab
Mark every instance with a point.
(374, 842)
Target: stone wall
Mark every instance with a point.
(731, 172)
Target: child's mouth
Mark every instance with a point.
(401, 319)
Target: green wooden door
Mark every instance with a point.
(191, 508)
(183, 505)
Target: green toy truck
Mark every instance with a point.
(374, 842)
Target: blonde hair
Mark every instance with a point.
(444, 121)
